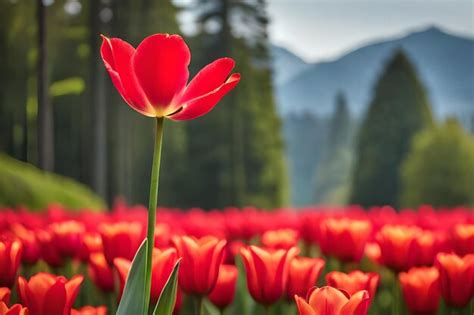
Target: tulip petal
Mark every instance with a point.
(327, 301)
(55, 300)
(117, 56)
(357, 305)
(303, 307)
(161, 66)
(208, 79)
(202, 105)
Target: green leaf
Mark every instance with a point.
(133, 298)
(167, 298)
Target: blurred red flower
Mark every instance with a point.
(354, 281)
(10, 258)
(344, 238)
(199, 267)
(456, 277)
(120, 239)
(223, 293)
(67, 237)
(5, 295)
(90, 310)
(101, 273)
(303, 274)
(331, 301)
(463, 239)
(47, 294)
(397, 243)
(420, 287)
(153, 78)
(280, 239)
(16, 309)
(31, 247)
(267, 272)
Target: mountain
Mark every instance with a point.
(445, 63)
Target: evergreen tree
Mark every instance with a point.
(236, 150)
(398, 110)
(439, 169)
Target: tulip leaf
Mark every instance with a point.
(133, 298)
(167, 298)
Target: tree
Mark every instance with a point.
(439, 169)
(399, 110)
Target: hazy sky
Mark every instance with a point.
(324, 29)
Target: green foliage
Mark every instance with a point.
(23, 184)
(167, 300)
(398, 111)
(439, 169)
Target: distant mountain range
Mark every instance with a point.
(445, 63)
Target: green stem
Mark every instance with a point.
(155, 176)
(198, 306)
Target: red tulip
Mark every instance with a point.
(67, 237)
(49, 253)
(152, 79)
(223, 293)
(101, 273)
(303, 275)
(331, 301)
(420, 287)
(200, 263)
(397, 246)
(47, 294)
(267, 272)
(31, 247)
(16, 309)
(373, 253)
(463, 239)
(90, 310)
(344, 238)
(91, 243)
(10, 258)
(120, 239)
(5, 295)
(163, 262)
(280, 239)
(354, 281)
(456, 277)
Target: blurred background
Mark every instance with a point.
(341, 102)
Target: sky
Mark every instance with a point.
(319, 30)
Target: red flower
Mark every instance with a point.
(10, 258)
(267, 272)
(420, 287)
(397, 246)
(120, 239)
(463, 238)
(100, 272)
(280, 239)
(49, 252)
(91, 243)
(90, 310)
(456, 277)
(152, 79)
(5, 295)
(200, 265)
(303, 275)
(47, 294)
(67, 237)
(331, 301)
(344, 238)
(223, 293)
(31, 247)
(354, 281)
(16, 309)
(163, 263)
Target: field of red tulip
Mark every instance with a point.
(242, 261)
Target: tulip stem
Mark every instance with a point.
(198, 305)
(155, 176)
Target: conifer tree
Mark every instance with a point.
(399, 110)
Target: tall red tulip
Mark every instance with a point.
(344, 238)
(303, 275)
(10, 258)
(120, 239)
(16, 309)
(397, 244)
(90, 310)
(331, 301)
(354, 281)
(200, 263)
(101, 273)
(420, 287)
(223, 293)
(162, 266)
(267, 272)
(152, 79)
(67, 237)
(47, 294)
(456, 277)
